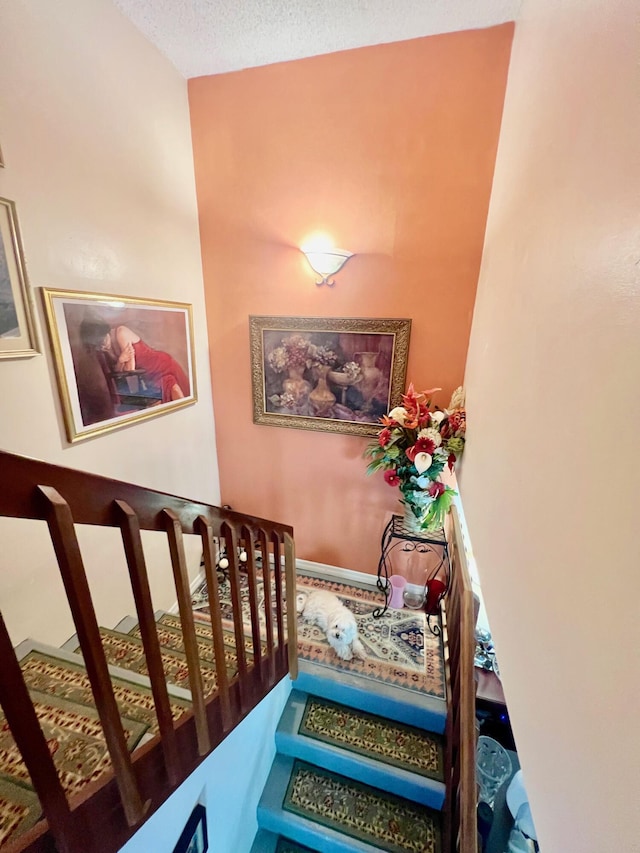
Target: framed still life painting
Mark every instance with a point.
(329, 374)
(119, 359)
(17, 327)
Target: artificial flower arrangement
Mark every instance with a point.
(413, 448)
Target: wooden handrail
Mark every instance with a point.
(461, 834)
(103, 816)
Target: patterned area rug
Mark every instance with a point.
(383, 820)
(385, 740)
(399, 650)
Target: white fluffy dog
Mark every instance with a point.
(324, 609)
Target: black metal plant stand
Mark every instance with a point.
(396, 536)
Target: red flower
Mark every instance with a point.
(391, 477)
(422, 445)
(383, 438)
(451, 461)
(436, 489)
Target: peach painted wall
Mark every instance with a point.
(391, 150)
(551, 474)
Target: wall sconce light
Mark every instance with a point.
(326, 263)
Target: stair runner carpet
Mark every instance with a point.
(76, 741)
(397, 744)
(399, 651)
(383, 820)
(68, 680)
(128, 652)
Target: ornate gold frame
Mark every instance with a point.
(399, 328)
(25, 343)
(53, 301)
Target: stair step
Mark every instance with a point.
(128, 652)
(401, 759)
(268, 842)
(33, 649)
(329, 812)
(404, 706)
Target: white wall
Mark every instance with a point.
(94, 129)
(230, 780)
(552, 465)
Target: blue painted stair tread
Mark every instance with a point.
(366, 814)
(364, 747)
(269, 842)
(388, 741)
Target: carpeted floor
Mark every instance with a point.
(393, 743)
(399, 651)
(383, 820)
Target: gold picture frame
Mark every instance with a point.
(119, 359)
(18, 337)
(328, 374)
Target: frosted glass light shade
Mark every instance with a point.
(327, 263)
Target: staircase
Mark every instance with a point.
(354, 775)
(94, 737)
(362, 765)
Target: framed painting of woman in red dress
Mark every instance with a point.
(119, 359)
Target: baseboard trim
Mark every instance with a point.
(335, 572)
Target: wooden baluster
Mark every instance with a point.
(25, 729)
(268, 608)
(181, 578)
(277, 568)
(202, 526)
(65, 543)
(292, 617)
(228, 533)
(247, 535)
(130, 527)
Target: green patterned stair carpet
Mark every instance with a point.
(76, 741)
(382, 820)
(403, 746)
(170, 637)
(67, 680)
(128, 652)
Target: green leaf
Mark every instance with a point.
(434, 519)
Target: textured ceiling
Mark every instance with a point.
(213, 36)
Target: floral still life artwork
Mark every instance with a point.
(413, 448)
(336, 375)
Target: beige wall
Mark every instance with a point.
(94, 129)
(552, 468)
